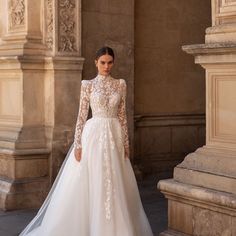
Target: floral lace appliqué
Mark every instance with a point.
(107, 98)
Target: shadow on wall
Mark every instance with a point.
(169, 88)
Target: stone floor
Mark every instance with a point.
(155, 204)
(13, 222)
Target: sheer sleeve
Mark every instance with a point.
(123, 117)
(83, 112)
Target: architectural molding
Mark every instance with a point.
(224, 12)
(223, 22)
(162, 140)
(171, 119)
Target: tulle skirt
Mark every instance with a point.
(97, 196)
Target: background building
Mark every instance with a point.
(48, 46)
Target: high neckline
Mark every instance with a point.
(103, 77)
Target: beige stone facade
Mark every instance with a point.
(48, 46)
(202, 193)
(40, 73)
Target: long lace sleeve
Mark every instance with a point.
(83, 112)
(123, 117)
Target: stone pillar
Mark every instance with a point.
(202, 194)
(40, 73)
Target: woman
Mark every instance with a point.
(95, 192)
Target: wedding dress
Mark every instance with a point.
(97, 196)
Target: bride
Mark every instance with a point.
(95, 192)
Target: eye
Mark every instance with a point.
(110, 62)
(103, 62)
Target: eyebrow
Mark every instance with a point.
(107, 62)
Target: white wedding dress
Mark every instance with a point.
(97, 196)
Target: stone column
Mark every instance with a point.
(202, 194)
(40, 73)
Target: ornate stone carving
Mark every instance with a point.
(67, 26)
(49, 24)
(16, 13)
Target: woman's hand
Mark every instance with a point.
(77, 153)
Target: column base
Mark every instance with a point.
(23, 194)
(24, 179)
(209, 168)
(197, 210)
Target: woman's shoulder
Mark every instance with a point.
(119, 81)
(85, 82)
(122, 83)
(86, 85)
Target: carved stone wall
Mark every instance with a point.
(67, 40)
(62, 27)
(16, 17)
(40, 74)
(49, 24)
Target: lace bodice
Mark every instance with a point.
(106, 97)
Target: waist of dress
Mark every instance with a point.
(103, 116)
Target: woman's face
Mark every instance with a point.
(104, 64)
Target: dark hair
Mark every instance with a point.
(105, 51)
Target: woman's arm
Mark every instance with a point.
(123, 117)
(83, 113)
